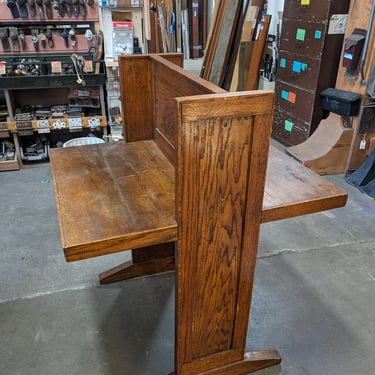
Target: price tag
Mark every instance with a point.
(56, 67)
(3, 65)
(43, 126)
(88, 68)
(362, 145)
(288, 125)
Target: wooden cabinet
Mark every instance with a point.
(310, 48)
(51, 79)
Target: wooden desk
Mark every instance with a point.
(95, 192)
(193, 173)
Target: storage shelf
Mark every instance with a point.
(39, 82)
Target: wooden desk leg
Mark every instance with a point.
(145, 261)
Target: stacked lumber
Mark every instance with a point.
(235, 45)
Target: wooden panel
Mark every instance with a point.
(107, 207)
(135, 82)
(219, 217)
(137, 95)
(224, 41)
(170, 82)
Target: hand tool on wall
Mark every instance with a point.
(89, 35)
(49, 37)
(65, 36)
(23, 8)
(35, 40)
(48, 7)
(4, 39)
(32, 8)
(43, 39)
(82, 8)
(73, 38)
(40, 9)
(74, 59)
(58, 9)
(13, 34)
(75, 8)
(11, 4)
(22, 38)
(68, 7)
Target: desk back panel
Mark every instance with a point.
(137, 94)
(171, 82)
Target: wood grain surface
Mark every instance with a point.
(94, 222)
(113, 198)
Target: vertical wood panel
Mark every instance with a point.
(220, 184)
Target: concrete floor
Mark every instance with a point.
(314, 295)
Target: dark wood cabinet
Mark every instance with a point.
(310, 49)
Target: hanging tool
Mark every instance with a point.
(74, 59)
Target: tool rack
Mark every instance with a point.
(51, 76)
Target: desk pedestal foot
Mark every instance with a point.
(145, 261)
(253, 361)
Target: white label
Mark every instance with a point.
(88, 67)
(3, 70)
(337, 24)
(362, 145)
(56, 67)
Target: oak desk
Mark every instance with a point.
(196, 171)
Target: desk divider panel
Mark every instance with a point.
(222, 143)
(170, 82)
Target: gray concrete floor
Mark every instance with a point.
(314, 295)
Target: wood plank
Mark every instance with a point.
(112, 197)
(213, 34)
(253, 73)
(224, 42)
(294, 190)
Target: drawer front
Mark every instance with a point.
(289, 130)
(295, 101)
(312, 10)
(301, 71)
(304, 38)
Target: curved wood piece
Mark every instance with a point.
(327, 150)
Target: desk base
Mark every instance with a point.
(253, 361)
(145, 261)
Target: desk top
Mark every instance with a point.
(102, 192)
